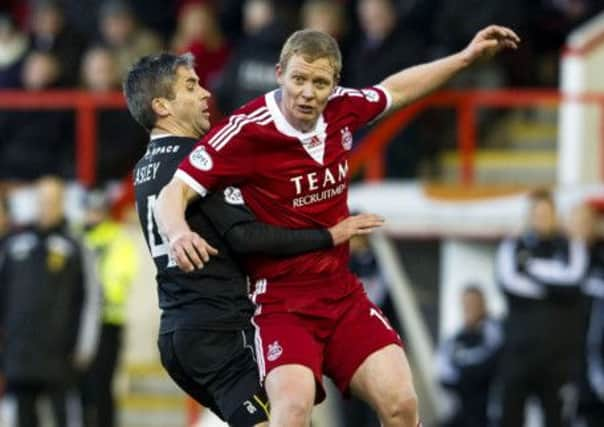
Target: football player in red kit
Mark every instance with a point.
(288, 153)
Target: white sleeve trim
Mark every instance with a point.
(513, 281)
(191, 182)
(561, 273)
(594, 286)
(388, 98)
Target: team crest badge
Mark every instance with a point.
(233, 196)
(201, 159)
(346, 138)
(274, 351)
(371, 95)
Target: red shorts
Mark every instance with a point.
(329, 326)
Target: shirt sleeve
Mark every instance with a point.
(365, 105)
(220, 159)
(244, 234)
(226, 209)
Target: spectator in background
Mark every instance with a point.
(120, 141)
(121, 33)
(326, 16)
(13, 50)
(4, 229)
(37, 143)
(51, 33)
(467, 362)
(251, 70)
(116, 265)
(540, 273)
(199, 32)
(388, 47)
(50, 313)
(591, 391)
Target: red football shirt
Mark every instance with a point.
(287, 178)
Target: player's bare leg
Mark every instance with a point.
(291, 393)
(384, 381)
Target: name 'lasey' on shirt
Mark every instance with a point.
(332, 182)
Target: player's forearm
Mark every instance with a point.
(415, 82)
(170, 209)
(256, 237)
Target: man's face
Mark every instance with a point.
(306, 86)
(190, 104)
(543, 217)
(473, 308)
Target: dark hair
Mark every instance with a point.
(152, 77)
(473, 288)
(541, 195)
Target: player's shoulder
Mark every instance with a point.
(242, 122)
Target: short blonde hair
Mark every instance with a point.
(312, 45)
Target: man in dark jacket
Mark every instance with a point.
(540, 273)
(50, 313)
(467, 362)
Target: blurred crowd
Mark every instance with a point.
(64, 283)
(547, 353)
(52, 44)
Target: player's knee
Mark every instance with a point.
(400, 410)
(292, 410)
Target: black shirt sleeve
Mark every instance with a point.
(245, 235)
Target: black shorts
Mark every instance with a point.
(217, 369)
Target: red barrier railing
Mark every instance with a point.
(85, 105)
(369, 153)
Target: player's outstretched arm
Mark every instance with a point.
(258, 237)
(415, 82)
(188, 249)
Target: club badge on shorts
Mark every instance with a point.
(346, 138)
(201, 159)
(274, 351)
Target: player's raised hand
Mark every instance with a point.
(489, 41)
(190, 251)
(354, 225)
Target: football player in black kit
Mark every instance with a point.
(205, 337)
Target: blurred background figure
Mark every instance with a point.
(540, 273)
(199, 32)
(51, 303)
(120, 141)
(37, 143)
(4, 230)
(122, 34)
(467, 362)
(13, 49)
(51, 33)
(116, 261)
(583, 225)
(326, 16)
(251, 70)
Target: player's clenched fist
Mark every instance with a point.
(190, 251)
(354, 225)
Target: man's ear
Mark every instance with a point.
(160, 107)
(279, 73)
